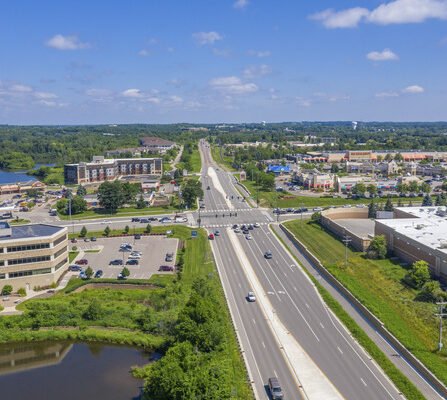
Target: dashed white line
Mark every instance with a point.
(363, 382)
(321, 325)
(338, 348)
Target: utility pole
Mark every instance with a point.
(346, 240)
(199, 220)
(442, 313)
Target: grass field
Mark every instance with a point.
(196, 162)
(101, 213)
(378, 285)
(224, 161)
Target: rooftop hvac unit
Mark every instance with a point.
(420, 226)
(443, 245)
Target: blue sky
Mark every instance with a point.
(162, 61)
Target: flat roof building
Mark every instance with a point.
(32, 255)
(102, 169)
(418, 233)
(156, 144)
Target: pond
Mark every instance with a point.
(7, 176)
(59, 370)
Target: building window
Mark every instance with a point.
(28, 260)
(61, 264)
(36, 246)
(59, 252)
(2, 263)
(30, 272)
(60, 240)
(2, 276)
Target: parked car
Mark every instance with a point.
(93, 239)
(169, 257)
(82, 261)
(251, 297)
(166, 268)
(83, 275)
(257, 225)
(137, 237)
(121, 277)
(248, 237)
(268, 255)
(117, 261)
(165, 220)
(134, 256)
(74, 240)
(86, 240)
(99, 273)
(144, 220)
(74, 267)
(132, 261)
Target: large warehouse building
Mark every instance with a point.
(418, 233)
(32, 255)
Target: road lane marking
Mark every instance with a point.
(338, 348)
(263, 344)
(363, 382)
(321, 325)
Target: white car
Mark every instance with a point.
(347, 206)
(257, 225)
(317, 209)
(237, 230)
(134, 257)
(251, 297)
(249, 237)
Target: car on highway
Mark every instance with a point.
(202, 206)
(275, 389)
(235, 226)
(116, 262)
(99, 273)
(144, 220)
(251, 297)
(166, 268)
(216, 233)
(318, 209)
(82, 261)
(268, 255)
(211, 236)
(132, 261)
(136, 219)
(165, 220)
(248, 237)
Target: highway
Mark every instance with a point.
(294, 298)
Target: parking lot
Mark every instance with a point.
(153, 252)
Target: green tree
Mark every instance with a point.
(130, 191)
(191, 190)
(89, 272)
(377, 247)
(110, 196)
(148, 228)
(126, 229)
(316, 217)
(125, 272)
(93, 311)
(438, 201)
(398, 157)
(419, 274)
(146, 321)
(78, 205)
(359, 189)
(21, 292)
(389, 204)
(81, 191)
(140, 202)
(402, 188)
(413, 186)
(267, 181)
(107, 231)
(372, 209)
(425, 187)
(427, 200)
(444, 185)
(6, 290)
(334, 168)
(432, 291)
(400, 203)
(372, 189)
(83, 232)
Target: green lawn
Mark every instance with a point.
(196, 162)
(378, 285)
(224, 161)
(101, 213)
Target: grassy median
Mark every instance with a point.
(378, 284)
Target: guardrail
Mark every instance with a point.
(368, 315)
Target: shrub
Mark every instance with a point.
(21, 292)
(107, 231)
(6, 290)
(377, 247)
(83, 232)
(419, 274)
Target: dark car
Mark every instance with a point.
(137, 236)
(251, 227)
(132, 261)
(116, 262)
(166, 268)
(207, 188)
(144, 220)
(93, 239)
(99, 273)
(74, 240)
(169, 257)
(136, 219)
(268, 255)
(74, 267)
(82, 261)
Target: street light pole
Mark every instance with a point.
(346, 240)
(441, 315)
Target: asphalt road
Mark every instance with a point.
(296, 302)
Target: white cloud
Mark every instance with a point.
(203, 38)
(349, 18)
(408, 11)
(132, 93)
(257, 71)
(259, 53)
(233, 85)
(393, 12)
(19, 88)
(45, 95)
(143, 53)
(176, 99)
(61, 42)
(413, 89)
(387, 94)
(240, 4)
(152, 100)
(385, 55)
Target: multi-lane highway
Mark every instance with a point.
(296, 302)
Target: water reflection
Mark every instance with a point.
(52, 371)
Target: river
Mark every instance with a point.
(59, 370)
(18, 176)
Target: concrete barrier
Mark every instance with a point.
(368, 315)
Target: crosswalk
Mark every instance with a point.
(228, 225)
(227, 210)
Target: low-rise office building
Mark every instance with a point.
(418, 233)
(101, 169)
(156, 144)
(32, 255)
